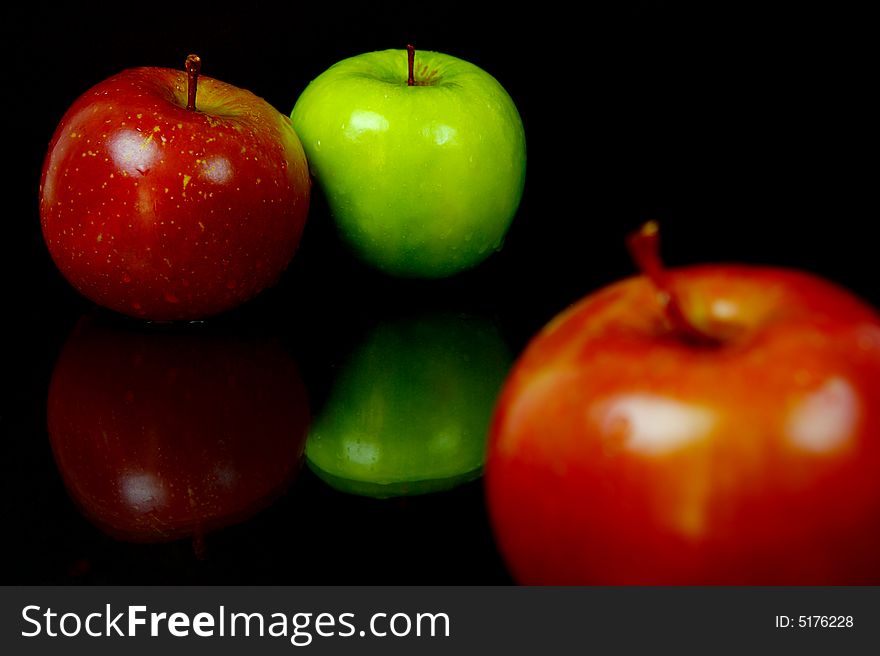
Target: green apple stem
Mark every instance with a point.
(411, 63)
(193, 66)
(644, 248)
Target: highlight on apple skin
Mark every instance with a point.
(167, 195)
(706, 425)
(421, 157)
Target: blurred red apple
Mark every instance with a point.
(164, 434)
(161, 204)
(715, 424)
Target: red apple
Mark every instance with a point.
(715, 424)
(164, 435)
(161, 204)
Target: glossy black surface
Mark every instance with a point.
(743, 131)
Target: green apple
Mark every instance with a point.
(410, 411)
(421, 158)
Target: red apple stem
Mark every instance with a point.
(193, 67)
(644, 248)
(411, 63)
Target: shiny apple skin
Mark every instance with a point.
(422, 181)
(160, 212)
(160, 436)
(620, 455)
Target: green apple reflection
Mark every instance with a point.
(410, 411)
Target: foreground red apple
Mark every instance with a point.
(705, 425)
(169, 196)
(164, 435)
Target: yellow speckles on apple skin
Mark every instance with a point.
(101, 190)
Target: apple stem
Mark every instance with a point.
(644, 248)
(193, 66)
(411, 63)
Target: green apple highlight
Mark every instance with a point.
(409, 413)
(422, 164)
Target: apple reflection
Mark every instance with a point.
(409, 413)
(161, 433)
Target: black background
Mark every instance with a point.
(743, 129)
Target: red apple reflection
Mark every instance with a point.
(165, 434)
